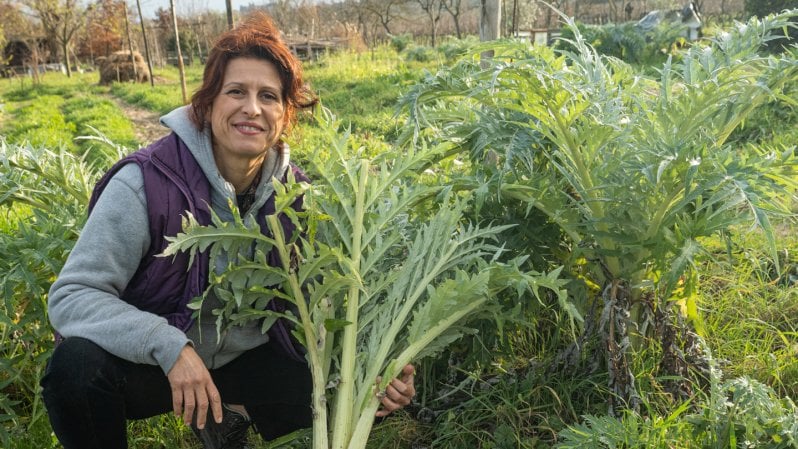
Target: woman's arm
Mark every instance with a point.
(85, 299)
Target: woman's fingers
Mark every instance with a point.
(399, 393)
(193, 390)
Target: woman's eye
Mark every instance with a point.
(234, 92)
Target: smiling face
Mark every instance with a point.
(246, 116)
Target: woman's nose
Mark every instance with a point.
(251, 106)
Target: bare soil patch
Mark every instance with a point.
(146, 124)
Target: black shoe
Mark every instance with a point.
(231, 433)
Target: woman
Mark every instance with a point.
(130, 348)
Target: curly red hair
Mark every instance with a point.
(255, 37)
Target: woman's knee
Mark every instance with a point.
(76, 363)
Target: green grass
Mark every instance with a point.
(751, 312)
(165, 95)
(59, 110)
(363, 89)
(41, 123)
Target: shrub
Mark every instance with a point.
(419, 53)
(401, 42)
(628, 42)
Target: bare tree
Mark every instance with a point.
(613, 10)
(282, 11)
(453, 7)
(433, 9)
(60, 19)
(6, 10)
(27, 31)
(385, 11)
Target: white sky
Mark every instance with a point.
(148, 7)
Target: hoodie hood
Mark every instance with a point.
(200, 143)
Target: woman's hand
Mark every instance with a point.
(399, 392)
(193, 389)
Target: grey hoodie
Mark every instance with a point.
(85, 299)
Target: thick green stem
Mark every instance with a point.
(653, 227)
(314, 342)
(377, 360)
(344, 398)
(591, 199)
(366, 418)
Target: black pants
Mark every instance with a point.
(90, 393)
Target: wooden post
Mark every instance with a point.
(130, 46)
(229, 5)
(146, 45)
(180, 67)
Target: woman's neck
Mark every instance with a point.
(240, 172)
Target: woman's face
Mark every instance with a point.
(247, 115)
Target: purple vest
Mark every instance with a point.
(174, 184)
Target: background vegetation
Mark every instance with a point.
(508, 386)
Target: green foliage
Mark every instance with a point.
(44, 195)
(162, 98)
(401, 42)
(454, 48)
(165, 95)
(363, 88)
(377, 286)
(740, 412)
(631, 170)
(751, 310)
(762, 8)
(419, 53)
(628, 42)
(55, 115)
(775, 124)
(635, 172)
(91, 113)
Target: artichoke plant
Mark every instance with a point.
(385, 272)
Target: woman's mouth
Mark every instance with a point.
(248, 128)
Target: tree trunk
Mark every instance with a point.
(490, 20)
(180, 67)
(515, 18)
(146, 45)
(434, 30)
(34, 62)
(65, 49)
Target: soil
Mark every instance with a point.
(145, 123)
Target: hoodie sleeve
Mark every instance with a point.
(85, 299)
